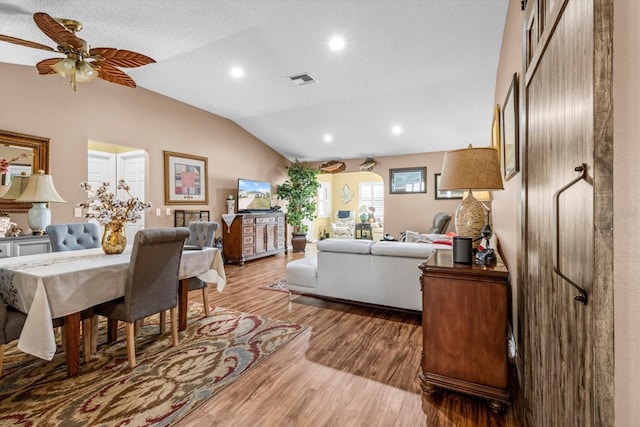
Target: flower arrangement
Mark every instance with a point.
(103, 205)
(4, 163)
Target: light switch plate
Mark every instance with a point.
(77, 212)
(158, 212)
(168, 211)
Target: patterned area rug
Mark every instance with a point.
(167, 383)
(279, 285)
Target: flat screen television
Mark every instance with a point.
(253, 195)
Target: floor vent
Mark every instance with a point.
(302, 79)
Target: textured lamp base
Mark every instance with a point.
(470, 219)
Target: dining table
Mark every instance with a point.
(55, 285)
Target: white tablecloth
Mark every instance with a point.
(51, 285)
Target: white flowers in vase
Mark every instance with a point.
(103, 205)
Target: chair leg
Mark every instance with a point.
(112, 331)
(136, 327)
(86, 339)
(94, 334)
(205, 299)
(174, 325)
(163, 322)
(63, 338)
(1, 357)
(131, 344)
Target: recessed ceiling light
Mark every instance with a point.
(336, 43)
(237, 72)
(396, 130)
(327, 137)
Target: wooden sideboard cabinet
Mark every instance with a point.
(24, 245)
(465, 329)
(252, 236)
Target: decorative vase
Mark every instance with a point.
(298, 242)
(5, 224)
(114, 239)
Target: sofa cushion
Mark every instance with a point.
(303, 272)
(351, 246)
(405, 249)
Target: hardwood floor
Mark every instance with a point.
(353, 366)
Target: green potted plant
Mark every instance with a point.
(300, 192)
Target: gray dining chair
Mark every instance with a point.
(201, 233)
(11, 324)
(71, 237)
(151, 286)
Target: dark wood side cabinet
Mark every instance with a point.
(465, 329)
(252, 236)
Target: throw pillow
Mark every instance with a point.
(344, 214)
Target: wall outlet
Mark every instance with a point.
(158, 212)
(77, 212)
(167, 211)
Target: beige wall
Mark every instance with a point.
(108, 113)
(506, 204)
(404, 211)
(626, 134)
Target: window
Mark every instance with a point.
(372, 194)
(324, 200)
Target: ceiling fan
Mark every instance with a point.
(81, 62)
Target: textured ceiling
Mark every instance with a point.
(426, 65)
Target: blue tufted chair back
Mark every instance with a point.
(71, 237)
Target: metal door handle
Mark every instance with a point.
(556, 227)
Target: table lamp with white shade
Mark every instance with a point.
(471, 169)
(17, 186)
(39, 191)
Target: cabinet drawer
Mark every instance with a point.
(266, 220)
(280, 227)
(247, 221)
(281, 219)
(280, 244)
(5, 250)
(247, 240)
(247, 230)
(280, 235)
(248, 251)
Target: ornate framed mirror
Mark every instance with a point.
(12, 143)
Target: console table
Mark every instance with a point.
(24, 245)
(465, 329)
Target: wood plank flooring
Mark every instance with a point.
(354, 366)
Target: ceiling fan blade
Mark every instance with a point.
(56, 31)
(111, 74)
(44, 66)
(26, 43)
(121, 58)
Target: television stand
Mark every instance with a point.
(254, 235)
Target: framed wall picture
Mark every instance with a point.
(407, 180)
(185, 179)
(509, 134)
(446, 194)
(495, 130)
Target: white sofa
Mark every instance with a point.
(381, 273)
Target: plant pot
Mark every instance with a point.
(298, 242)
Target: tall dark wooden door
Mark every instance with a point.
(565, 355)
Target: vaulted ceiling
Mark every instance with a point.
(425, 66)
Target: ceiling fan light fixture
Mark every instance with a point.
(65, 67)
(85, 72)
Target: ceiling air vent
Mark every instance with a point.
(302, 79)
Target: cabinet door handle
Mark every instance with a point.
(556, 228)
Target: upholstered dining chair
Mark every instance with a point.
(11, 323)
(151, 286)
(201, 234)
(71, 237)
